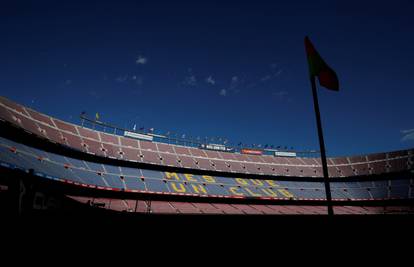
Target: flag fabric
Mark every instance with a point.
(97, 116)
(318, 68)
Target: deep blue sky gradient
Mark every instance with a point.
(64, 58)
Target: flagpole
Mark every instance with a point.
(322, 147)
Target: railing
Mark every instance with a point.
(169, 138)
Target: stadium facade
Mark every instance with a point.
(45, 162)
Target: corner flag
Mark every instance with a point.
(318, 68)
(328, 79)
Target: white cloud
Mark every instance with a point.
(270, 76)
(408, 135)
(141, 60)
(232, 88)
(139, 80)
(234, 82)
(407, 131)
(190, 80)
(210, 80)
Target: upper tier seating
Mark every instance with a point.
(124, 148)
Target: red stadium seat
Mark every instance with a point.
(40, 117)
(87, 133)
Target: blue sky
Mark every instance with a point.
(233, 69)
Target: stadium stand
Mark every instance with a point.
(120, 147)
(108, 162)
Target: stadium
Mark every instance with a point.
(49, 165)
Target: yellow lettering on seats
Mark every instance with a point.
(256, 182)
(190, 177)
(272, 183)
(171, 175)
(285, 193)
(234, 191)
(252, 193)
(241, 181)
(198, 188)
(179, 190)
(269, 192)
(209, 179)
